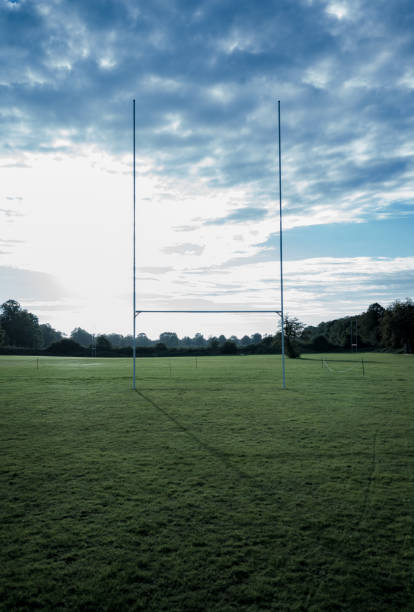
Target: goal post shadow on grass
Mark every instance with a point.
(137, 312)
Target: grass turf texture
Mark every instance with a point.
(210, 488)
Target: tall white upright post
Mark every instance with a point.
(134, 306)
(356, 335)
(281, 255)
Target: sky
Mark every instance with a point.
(206, 77)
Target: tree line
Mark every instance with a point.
(378, 328)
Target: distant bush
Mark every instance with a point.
(66, 347)
(229, 348)
(13, 350)
(103, 345)
(161, 347)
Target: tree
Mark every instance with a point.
(370, 324)
(20, 326)
(81, 336)
(273, 342)
(338, 332)
(67, 346)
(199, 341)
(49, 335)
(170, 339)
(256, 338)
(102, 344)
(128, 340)
(143, 340)
(397, 326)
(213, 343)
(229, 348)
(116, 340)
(309, 333)
(321, 344)
(268, 340)
(293, 329)
(2, 336)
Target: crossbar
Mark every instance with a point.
(212, 311)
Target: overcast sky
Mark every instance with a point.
(206, 76)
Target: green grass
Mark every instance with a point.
(210, 488)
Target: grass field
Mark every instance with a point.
(210, 488)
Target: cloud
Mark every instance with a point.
(10, 213)
(206, 77)
(185, 228)
(207, 89)
(350, 283)
(242, 215)
(186, 248)
(316, 288)
(9, 244)
(5, 241)
(207, 83)
(20, 284)
(156, 269)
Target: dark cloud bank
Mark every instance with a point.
(214, 71)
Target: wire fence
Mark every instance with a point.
(357, 365)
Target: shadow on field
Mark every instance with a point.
(210, 449)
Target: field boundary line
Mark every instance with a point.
(333, 371)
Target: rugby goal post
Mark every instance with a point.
(137, 312)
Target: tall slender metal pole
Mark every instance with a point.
(352, 340)
(134, 307)
(281, 254)
(356, 335)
